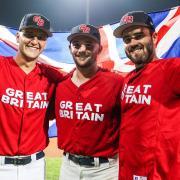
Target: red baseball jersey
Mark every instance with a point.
(24, 101)
(88, 116)
(150, 126)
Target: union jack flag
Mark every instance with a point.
(167, 24)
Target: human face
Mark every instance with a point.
(84, 51)
(31, 43)
(139, 45)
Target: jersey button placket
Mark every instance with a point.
(77, 122)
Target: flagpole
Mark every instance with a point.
(87, 11)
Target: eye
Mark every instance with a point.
(28, 35)
(76, 45)
(89, 46)
(42, 37)
(127, 39)
(31, 35)
(138, 36)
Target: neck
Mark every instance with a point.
(82, 75)
(140, 66)
(26, 66)
(87, 72)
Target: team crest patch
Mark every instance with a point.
(38, 20)
(127, 19)
(84, 28)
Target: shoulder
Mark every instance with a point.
(174, 61)
(169, 63)
(2, 58)
(111, 75)
(51, 72)
(5, 59)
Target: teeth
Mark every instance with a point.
(137, 49)
(32, 48)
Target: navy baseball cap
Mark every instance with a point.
(36, 21)
(134, 18)
(85, 30)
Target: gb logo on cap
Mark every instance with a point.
(127, 19)
(38, 20)
(84, 28)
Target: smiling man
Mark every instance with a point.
(26, 91)
(150, 102)
(88, 112)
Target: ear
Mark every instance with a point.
(70, 48)
(17, 37)
(100, 48)
(155, 38)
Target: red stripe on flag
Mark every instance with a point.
(10, 44)
(103, 58)
(165, 28)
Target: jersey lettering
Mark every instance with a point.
(137, 94)
(32, 100)
(81, 111)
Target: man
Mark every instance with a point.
(150, 126)
(87, 112)
(25, 93)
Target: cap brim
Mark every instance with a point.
(72, 36)
(119, 30)
(44, 30)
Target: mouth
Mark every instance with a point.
(137, 49)
(33, 48)
(82, 57)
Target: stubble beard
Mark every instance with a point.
(144, 58)
(89, 62)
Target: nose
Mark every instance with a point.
(133, 43)
(82, 48)
(34, 40)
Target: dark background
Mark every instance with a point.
(64, 14)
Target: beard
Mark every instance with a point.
(143, 57)
(84, 61)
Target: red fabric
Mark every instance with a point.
(150, 128)
(88, 117)
(23, 105)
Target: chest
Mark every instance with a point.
(17, 86)
(145, 89)
(95, 96)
